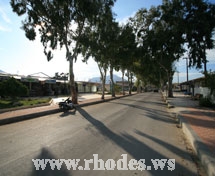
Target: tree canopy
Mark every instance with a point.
(166, 32)
(60, 23)
(12, 88)
(148, 45)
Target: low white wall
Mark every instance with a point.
(94, 88)
(202, 90)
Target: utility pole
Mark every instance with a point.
(178, 76)
(187, 68)
(187, 75)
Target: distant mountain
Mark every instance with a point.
(98, 79)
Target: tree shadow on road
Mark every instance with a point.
(197, 118)
(68, 113)
(136, 148)
(46, 154)
(151, 113)
(161, 142)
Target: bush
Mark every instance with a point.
(117, 89)
(206, 102)
(13, 88)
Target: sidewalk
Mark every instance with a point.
(198, 124)
(30, 113)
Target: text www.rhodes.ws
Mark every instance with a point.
(110, 164)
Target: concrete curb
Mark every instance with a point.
(53, 111)
(25, 107)
(169, 105)
(199, 147)
(27, 116)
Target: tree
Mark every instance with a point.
(60, 23)
(195, 22)
(127, 48)
(113, 51)
(159, 43)
(145, 67)
(210, 81)
(99, 44)
(199, 24)
(61, 76)
(164, 31)
(13, 88)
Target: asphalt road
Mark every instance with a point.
(133, 128)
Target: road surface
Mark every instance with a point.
(127, 133)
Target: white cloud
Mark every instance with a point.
(211, 55)
(124, 20)
(4, 19)
(4, 16)
(4, 29)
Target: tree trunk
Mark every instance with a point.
(170, 93)
(123, 81)
(103, 79)
(130, 82)
(103, 84)
(112, 82)
(138, 85)
(72, 82)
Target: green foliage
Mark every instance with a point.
(13, 88)
(194, 21)
(147, 46)
(55, 20)
(134, 88)
(199, 23)
(127, 48)
(8, 103)
(61, 76)
(210, 82)
(206, 102)
(117, 88)
(162, 33)
(27, 102)
(100, 42)
(61, 23)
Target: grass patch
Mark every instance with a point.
(8, 103)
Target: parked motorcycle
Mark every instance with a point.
(66, 105)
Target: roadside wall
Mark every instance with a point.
(204, 91)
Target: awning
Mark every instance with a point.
(50, 81)
(29, 79)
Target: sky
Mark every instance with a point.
(20, 56)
